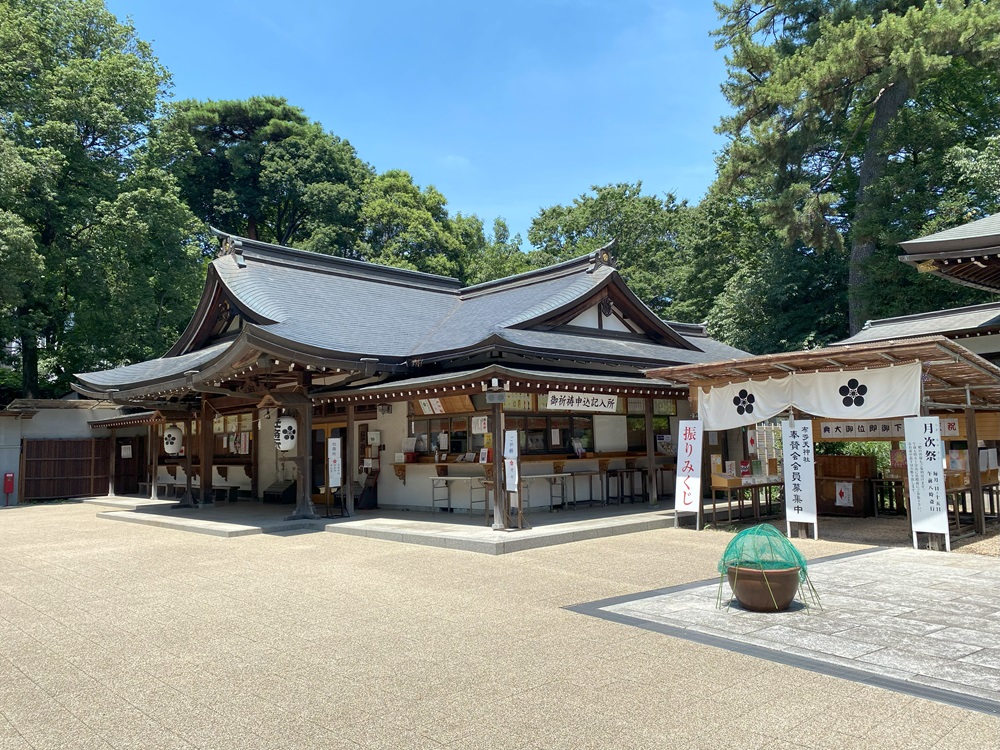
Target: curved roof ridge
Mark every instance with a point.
(566, 295)
(268, 252)
(588, 262)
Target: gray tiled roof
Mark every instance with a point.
(983, 232)
(343, 307)
(929, 323)
(162, 368)
(645, 352)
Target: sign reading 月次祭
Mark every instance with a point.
(925, 469)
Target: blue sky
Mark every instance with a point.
(505, 106)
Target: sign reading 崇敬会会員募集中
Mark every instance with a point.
(800, 474)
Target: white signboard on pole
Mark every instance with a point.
(687, 491)
(510, 460)
(334, 464)
(800, 474)
(925, 468)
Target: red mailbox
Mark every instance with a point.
(8, 483)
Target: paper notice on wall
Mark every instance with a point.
(844, 495)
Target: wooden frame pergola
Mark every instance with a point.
(954, 379)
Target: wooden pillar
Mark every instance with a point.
(303, 462)
(651, 454)
(499, 490)
(186, 501)
(207, 449)
(975, 479)
(154, 458)
(255, 454)
(111, 463)
(349, 461)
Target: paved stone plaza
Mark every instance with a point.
(118, 635)
(925, 624)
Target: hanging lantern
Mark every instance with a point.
(285, 431)
(173, 438)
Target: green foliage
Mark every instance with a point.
(498, 257)
(848, 108)
(147, 259)
(78, 91)
(643, 225)
(405, 226)
(782, 299)
(877, 448)
(259, 168)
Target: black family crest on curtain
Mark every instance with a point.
(743, 401)
(854, 392)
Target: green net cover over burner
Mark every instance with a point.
(762, 547)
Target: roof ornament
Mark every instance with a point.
(603, 257)
(927, 266)
(229, 246)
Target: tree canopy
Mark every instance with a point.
(261, 169)
(856, 124)
(78, 91)
(643, 226)
(847, 108)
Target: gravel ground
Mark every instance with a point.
(115, 635)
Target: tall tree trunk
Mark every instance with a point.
(251, 228)
(29, 364)
(873, 164)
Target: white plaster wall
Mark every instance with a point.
(612, 323)
(10, 454)
(587, 319)
(67, 423)
(391, 491)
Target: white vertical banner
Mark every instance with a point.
(925, 468)
(510, 452)
(800, 474)
(687, 491)
(334, 464)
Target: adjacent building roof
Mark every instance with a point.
(954, 377)
(984, 318)
(336, 313)
(969, 254)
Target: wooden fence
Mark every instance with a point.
(54, 469)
